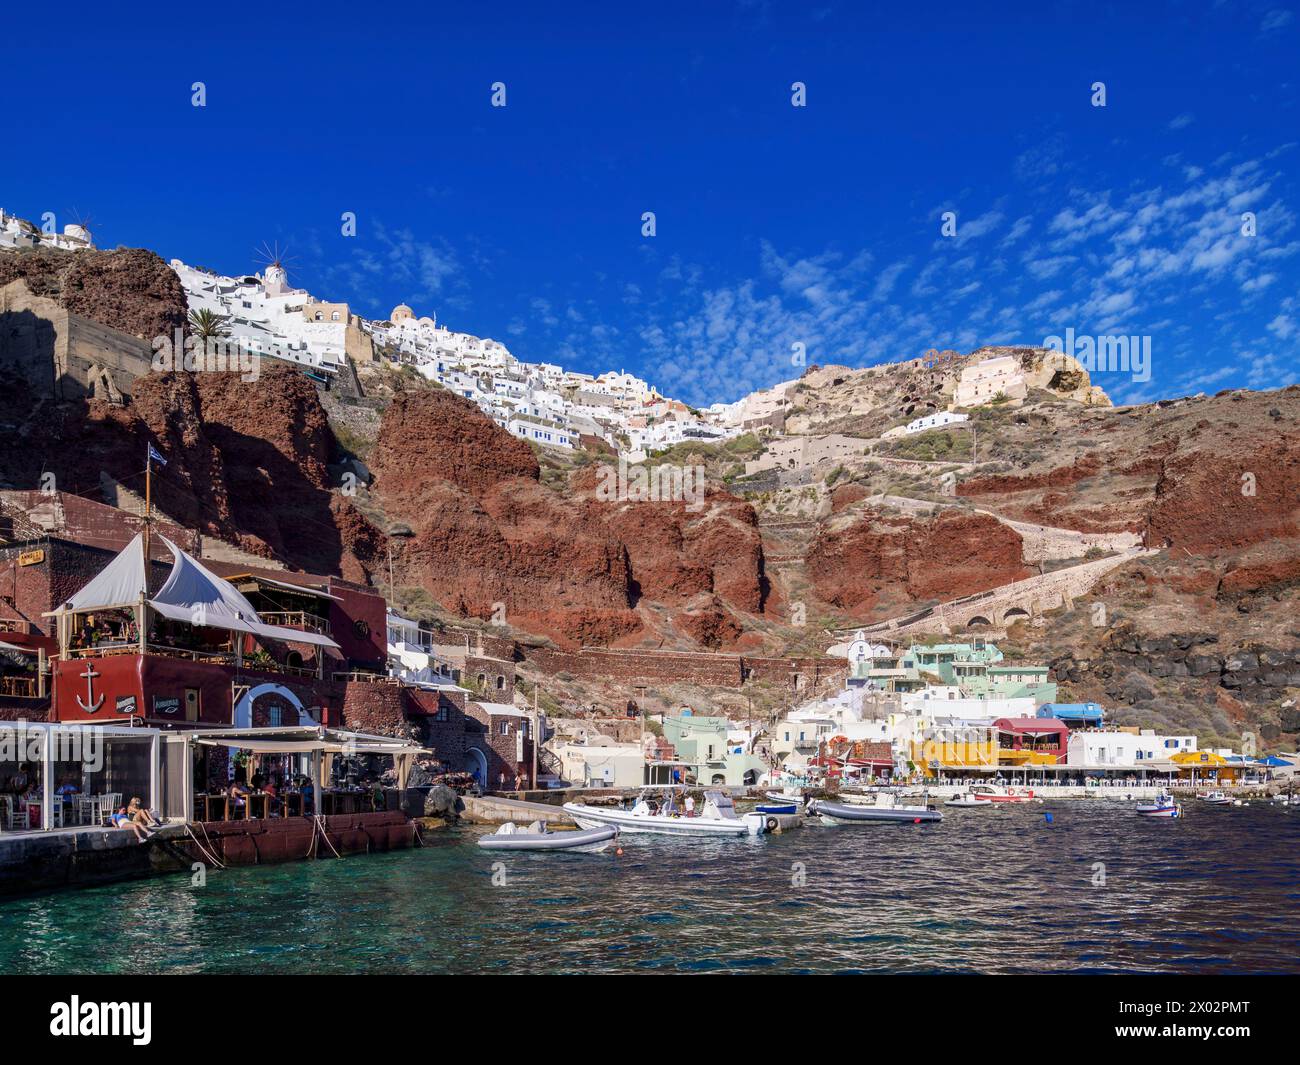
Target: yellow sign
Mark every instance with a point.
(31, 558)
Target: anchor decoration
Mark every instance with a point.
(94, 704)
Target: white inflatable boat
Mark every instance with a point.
(717, 818)
(536, 837)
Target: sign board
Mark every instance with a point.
(126, 704)
(169, 704)
(31, 558)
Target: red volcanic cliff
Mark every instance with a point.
(879, 562)
(491, 539)
(1204, 475)
(246, 462)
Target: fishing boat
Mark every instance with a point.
(717, 818)
(998, 793)
(1164, 806)
(537, 837)
(1216, 798)
(968, 800)
(886, 808)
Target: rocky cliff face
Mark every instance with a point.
(246, 462)
(876, 563)
(130, 289)
(490, 540)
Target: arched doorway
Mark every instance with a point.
(243, 714)
(476, 763)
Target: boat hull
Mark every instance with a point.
(587, 839)
(625, 821)
(845, 814)
(1158, 811)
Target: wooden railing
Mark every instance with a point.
(18, 687)
(367, 678)
(297, 619)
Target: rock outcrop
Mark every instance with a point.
(876, 563)
(129, 289)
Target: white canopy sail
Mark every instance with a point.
(195, 594)
(192, 594)
(119, 584)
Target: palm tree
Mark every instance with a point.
(207, 325)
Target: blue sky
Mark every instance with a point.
(775, 225)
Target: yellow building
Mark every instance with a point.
(1204, 765)
(966, 747)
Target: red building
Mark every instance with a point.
(224, 644)
(1040, 736)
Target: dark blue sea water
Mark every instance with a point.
(988, 890)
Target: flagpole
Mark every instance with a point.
(148, 496)
(143, 620)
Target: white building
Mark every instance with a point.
(1101, 748)
(935, 421)
(17, 232)
(601, 763)
(984, 381)
(270, 317)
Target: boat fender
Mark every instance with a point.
(772, 824)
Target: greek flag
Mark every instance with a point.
(155, 457)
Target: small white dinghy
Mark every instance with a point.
(537, 837)
(968, 799)
(1216, 798)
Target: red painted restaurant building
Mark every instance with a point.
(154, 638)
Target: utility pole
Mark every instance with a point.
(536, 737)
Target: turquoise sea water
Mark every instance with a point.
(988, 890)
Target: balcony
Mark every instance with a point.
(18, 687)
(298, 619)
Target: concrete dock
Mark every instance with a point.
(495, 810)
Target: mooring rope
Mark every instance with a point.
(202, 849)
(320, 824)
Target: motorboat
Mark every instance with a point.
(1216, 798)
(537, 837)
(1164, 806)
(717, 818)
(968, 800)
(886, 808)
(998, 793)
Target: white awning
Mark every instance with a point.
(269, 746)
(119, 584)
(194, 594)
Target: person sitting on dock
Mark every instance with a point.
(129, 817)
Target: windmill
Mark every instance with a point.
(273, 257)
(81, 222)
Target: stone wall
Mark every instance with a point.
(687, 667)
(64, 355)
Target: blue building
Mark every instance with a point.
(1076, 715)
